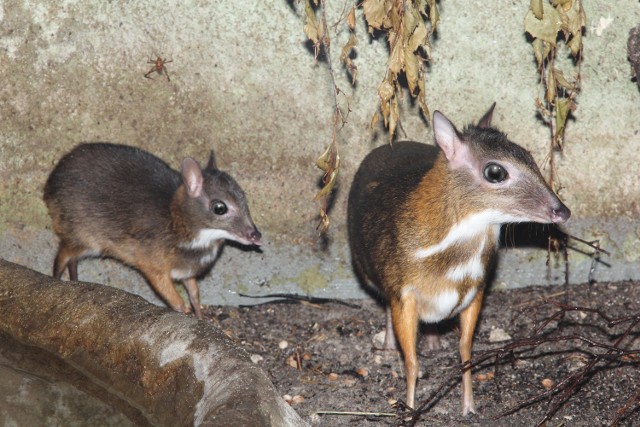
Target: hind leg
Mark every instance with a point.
(66, 257)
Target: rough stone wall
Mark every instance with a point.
(243, 81)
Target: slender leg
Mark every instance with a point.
(468, 319)
(389, 336)
(163, 284)
(66, 258)
(194, 295)
(405, 323)
(73, 269)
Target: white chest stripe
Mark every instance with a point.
(467, 228)
(473, 268)
(206, 237)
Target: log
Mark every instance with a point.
(156, 366)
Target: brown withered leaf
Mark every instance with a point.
(394, 116)
(344, 56)
(563, 106)
(536, 8)
(385, 91)
(546, 28)
(541, 50)
(575, 44)
(411, 70)
(374, 120)
(374, 13)
(351, 18)
(311, 28)
(422, 100)
(396, 59)
(551, 86)
(329, 162)
(434, 15)
(561, 81)
(418, 36)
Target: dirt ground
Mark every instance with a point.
(324, 357)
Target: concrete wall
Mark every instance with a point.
(244, 82)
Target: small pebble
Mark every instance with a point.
(297, 399)
(255, 358)
(283, 344)
(485, 377)
(363, 372)
(378, 339)
(548, 383)
(498, 334)
(332, 376)
(377, 359)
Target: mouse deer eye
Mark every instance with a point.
(218, 207)
(495, 173)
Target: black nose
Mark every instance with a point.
(560, 215)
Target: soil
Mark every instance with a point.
(325, 357)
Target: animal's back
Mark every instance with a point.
(384, 181)
(98, 190)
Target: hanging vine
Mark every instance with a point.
(551, 22)
(408, 25)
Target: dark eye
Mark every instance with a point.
(218, 207)
(494, 173)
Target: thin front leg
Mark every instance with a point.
(194, 295)
(405, 324)
(468, 320)
(163, 284)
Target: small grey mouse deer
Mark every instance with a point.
(123, 202)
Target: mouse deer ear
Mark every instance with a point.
(448, 139)
(485, 121)
(212, 161)
(192, 177)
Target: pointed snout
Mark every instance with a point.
(255, 237)
(560, 214)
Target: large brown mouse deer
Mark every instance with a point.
(424, 224)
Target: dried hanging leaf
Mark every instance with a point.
(541, 50)
(563, 106)
(311, 28)
(411, 70)
(536, 8)
(434, 15)
(551, 86)
(344, 56)
(421, 100)
(385, 91)
(564, 3)
(393, 117)
(418, 37)
(374, 120)
(546, 28)
(396, 59)
(351, 18)
(575, 44)
(561, 81)
(374, 13)
(329, 162)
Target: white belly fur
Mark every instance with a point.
(440, 306)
